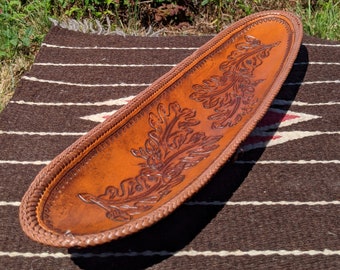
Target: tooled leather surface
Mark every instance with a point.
(173, 146)
(231, 95)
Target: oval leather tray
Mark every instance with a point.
(154, 153)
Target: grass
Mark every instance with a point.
(321, 19)
(23, 24)
(10, 74)
(22, 28)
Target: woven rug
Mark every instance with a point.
(275, 205)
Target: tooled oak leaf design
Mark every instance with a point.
(172, 147)
(231, 95)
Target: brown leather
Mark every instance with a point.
(148, 158)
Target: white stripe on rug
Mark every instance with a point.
(269, 203)
(321, 45)
(281, 102)
(190, 253)
(316, 63)
(116, 48)
(143, 84)
(125, 100)
(33, 133)
(34, 79)
(41, 133)
(230, 203)
(152, 65)
(103, 65)
(25, 162)
(110, 102)
(265, 162)
(4, 203)
(310, 82)
(155, 48)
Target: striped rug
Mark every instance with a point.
(275, 205)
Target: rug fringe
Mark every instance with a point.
(96, 27)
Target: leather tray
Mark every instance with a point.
(154, 153)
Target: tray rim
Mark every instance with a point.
(29, 219)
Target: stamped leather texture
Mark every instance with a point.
(163, 146)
